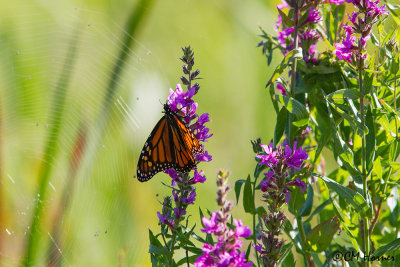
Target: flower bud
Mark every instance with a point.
(194, 74)
(184, 80)
(185, 69)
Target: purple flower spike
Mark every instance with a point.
(226, 251)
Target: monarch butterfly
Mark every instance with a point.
(171, 145)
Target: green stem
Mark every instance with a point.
(177, 220)
(296, 15)
(303, 239)
(363, 163)
(254, 221)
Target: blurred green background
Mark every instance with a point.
(58, 121)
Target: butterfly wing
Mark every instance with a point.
(171, 145)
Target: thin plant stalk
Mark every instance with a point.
(296, 15)
(254, 222)
(132, 26)
(2, 200)
(56, 116)
(309, 261)
(176, 225)
(363, 163)
(75, 159)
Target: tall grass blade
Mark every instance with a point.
(86, 145)
(50, 154)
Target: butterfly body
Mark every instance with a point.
(171, 145)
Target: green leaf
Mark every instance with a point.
(370, 139)
(346, 222)
(318, 210)
(323, 141)
(154, 241)
(280, 125)
(248, 251)
(320, 237)
(369, 76)
(201, 216)
(261, 211)
(194, 250)
(350, 196)
(355, 122)
(296, 201)
(281, 68)
(192, 259)
(306, 209)
(259, 168)
(288, 22)
(377, 169)
(342, 150)
(296, 108)
(392, 246)
(272, 94)
(287, 258)
(158, 250)
(238, 187)
(340, 96)
(248, 202)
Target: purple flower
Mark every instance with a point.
(295, 159)
(199, 177)
(211, 225)
(283, 5)
(268, 182)
(299, 183)
(281, 89)
(282, 161)
(283, 36)
(269, 158)
(203, 157)
(179, 212)
(164, 219)
(313, 17)
(190, 199)
(363, 20)
(257, 248)
(336, 2)
(344, 51)
(240, 230)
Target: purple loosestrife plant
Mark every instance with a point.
(352, 48)
(282, 163)
(182, 184)
(304, 27)
(226, 250)
(353, 51)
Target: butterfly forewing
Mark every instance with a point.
(170, 145)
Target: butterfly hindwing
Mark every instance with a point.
(170, 145)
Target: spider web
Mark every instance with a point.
(88, 208)
(95, 213)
